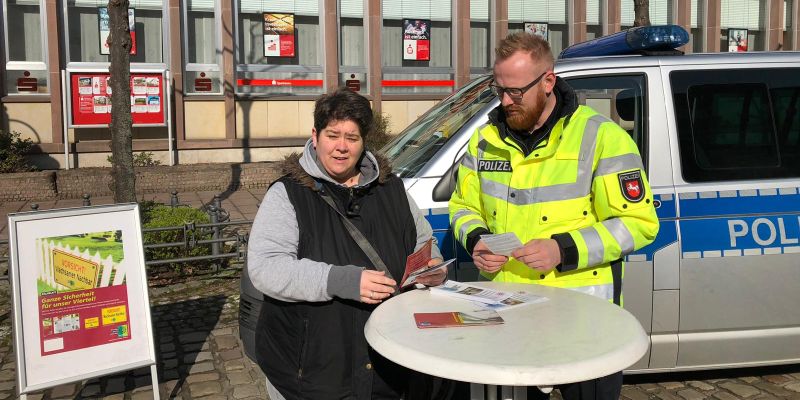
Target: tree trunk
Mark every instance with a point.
(119, 40)
(641, 11)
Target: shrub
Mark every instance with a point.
(380, 132)
(160, 216)
(12, 153)
(143, 159)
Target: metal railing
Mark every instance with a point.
(218, 228)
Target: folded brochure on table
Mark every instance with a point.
(417, 265)
(457, 318)
(494, 299)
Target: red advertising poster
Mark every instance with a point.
(105, 31)
(82, 301)
(417, 39)
(279, 35)
(91, 98)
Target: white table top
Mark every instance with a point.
(571, 337)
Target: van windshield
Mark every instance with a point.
(419, 142)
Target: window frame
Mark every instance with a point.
(27, 65)
(166, 54)
(240, 68)
(203, 67)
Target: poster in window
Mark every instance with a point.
(279, 35)
(91, 99)
(536, 28)
(417, 39)
(105, 29)
(81, 274)
(737, 40)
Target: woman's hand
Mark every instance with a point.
(375, 286)
(436, 278)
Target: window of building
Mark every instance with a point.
(480, 52)
(549, 15)
(83, 31)
(352, 46)
(431, 71)
(25, 45)
(621, 98)
(594, 24)
(660, 13)
(732, 127)
(742, 16)
(787, 25)
(698, 21)
(202, 44)
(299, 69)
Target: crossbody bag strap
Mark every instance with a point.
(362, 242)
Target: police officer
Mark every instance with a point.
(566, 180)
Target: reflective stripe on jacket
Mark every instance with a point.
(587, 182)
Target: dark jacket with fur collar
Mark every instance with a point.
(316, 349)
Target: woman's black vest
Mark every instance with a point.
(317, 350)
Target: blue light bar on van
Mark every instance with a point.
(631, 41)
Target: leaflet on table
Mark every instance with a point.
(517, 299)
(413, 277)
(478, 317)
(471, 292)
(502, 244)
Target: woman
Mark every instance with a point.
(320, 286)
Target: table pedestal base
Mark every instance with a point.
(479, 391)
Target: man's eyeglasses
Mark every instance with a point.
(514, 93)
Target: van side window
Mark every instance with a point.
(737, 124)
(619, 97)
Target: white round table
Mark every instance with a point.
(571, 337)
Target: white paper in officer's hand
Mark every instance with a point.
(502, 244)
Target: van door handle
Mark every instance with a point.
(656, 203)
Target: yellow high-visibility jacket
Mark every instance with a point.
(586, 188)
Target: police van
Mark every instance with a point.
(719, 136)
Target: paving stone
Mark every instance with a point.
(795, 376)
(227, 342)
(118, 396)
(63, 390)
(91, 390)
(168, 388)
(634, 393)
(773, 389)
(205, 377)
(142, 382)
(222, 331)
(115, 385)
(168, 364)
(214, 397)
(739, 389)
(203, 356)
(701, 385)
(672, 385)
(194, 337)
(239, 378)
(36, 396)
(143, 395)
(725, 396)
(777, 379)
(5, 395)
(749, 379)
(8, 385)
(195, 347)
(795, 387)
(170, 374)
(8, 375)
(665, 395)
(235, 365)
(241, 392)
(233, 354)
(167, 347)
(202, 367)
(691, 394)
(200, 389)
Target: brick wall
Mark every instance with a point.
(72, 184)
(28, 186)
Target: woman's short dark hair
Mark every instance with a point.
(343, 105)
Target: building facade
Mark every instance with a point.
(227, 88)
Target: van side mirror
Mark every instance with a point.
(444, 188)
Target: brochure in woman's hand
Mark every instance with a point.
(412, 277)
(417, 265)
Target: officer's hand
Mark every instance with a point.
(436, 278)
(375, 287)
(540, 254)
(485, 260)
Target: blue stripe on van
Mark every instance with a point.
(667, 209)
(739, 202)
(667, 234)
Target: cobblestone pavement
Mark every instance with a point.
(200, 356)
